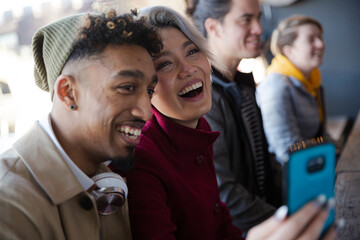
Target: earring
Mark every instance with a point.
(72, 107)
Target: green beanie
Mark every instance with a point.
(52, 46)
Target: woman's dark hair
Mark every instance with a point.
(200, 10)
(101, 30)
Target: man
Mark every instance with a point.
(101, 81)
(241, 158)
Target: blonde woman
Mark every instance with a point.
(291, 96)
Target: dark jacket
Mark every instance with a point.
(173, 192)
(244, 184)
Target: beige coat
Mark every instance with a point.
(40, 198)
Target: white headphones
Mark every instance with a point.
(110, 193)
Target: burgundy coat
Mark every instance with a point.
(173, 192)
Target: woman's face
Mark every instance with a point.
(183, 92)
(307, 51)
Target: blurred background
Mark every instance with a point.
(21, 102)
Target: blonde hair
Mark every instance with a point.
(286, 32)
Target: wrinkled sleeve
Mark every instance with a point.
(278, 112)
(246, 209)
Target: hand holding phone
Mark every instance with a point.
(309, 172)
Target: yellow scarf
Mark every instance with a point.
(281, 64)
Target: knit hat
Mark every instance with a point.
(52, 46)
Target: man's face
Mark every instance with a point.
(113, 102)
(240, 30)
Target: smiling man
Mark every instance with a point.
(242, 162)
(100, 74)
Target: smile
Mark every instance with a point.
(130, 132)
(318, 53)
(191, 91)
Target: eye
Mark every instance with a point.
(193, 51)
(126, 89)
(162, 64)
(245, 20)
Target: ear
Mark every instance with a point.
(212, 27)
(287, 51)
(65, 90)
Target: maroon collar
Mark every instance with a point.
(183, 139)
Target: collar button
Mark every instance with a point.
(199, 159)
(86, 203)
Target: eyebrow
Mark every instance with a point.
(251, 15)
(166, 53)
(129, 73)
(135, 74)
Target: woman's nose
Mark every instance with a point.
(186, 69)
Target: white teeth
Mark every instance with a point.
(190, 88)
(130, 132)
(137, 132)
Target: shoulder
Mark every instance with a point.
(14, 175)
(219, 96)
(274, 83)
(275, 80)
(19, 191)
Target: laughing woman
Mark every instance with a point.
(291, 96)
(173, 192)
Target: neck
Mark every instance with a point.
(305, 73)
(67, 139)
(231, 63)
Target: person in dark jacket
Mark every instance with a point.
(173, 192)
(249, 178)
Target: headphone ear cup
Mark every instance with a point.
(110, 193)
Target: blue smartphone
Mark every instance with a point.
(309, 172)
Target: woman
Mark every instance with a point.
(173, 192)
(291, 96)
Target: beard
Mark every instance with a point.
(125, 163)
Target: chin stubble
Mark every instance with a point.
(125, 163)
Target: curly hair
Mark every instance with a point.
(102, 30)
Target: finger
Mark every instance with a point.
(296, 223)
(313, 230)
(334, 230)
(331, 234)
(317, 224)
(267, 227)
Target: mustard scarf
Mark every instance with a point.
(282, 65)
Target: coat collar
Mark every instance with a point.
(45, 163)
(184, 139)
